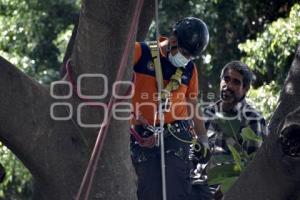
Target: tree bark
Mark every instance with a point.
(274, 173)
(57, 151)
(21, 122)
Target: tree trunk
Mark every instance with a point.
(274, 173)
(57, 151)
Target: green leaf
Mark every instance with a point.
(249, 135)
(224, 175)
(227, 183)
(217, 174)
(251, 156)
(229, 124)
(236, 156)
(221, 158)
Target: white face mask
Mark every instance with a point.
(178, 60)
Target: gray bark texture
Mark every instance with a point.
(274, 174)
(57, 152)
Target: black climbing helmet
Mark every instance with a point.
(192, 35)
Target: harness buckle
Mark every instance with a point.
(165, 105)
(157, 132)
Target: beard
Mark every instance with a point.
(227, 95)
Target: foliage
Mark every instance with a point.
(17, 182)
(265, 98)
(29, 30)
(271, 53)
(224, 175)
(227, 173)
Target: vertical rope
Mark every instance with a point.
(160, 111)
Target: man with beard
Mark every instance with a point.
(232, 107)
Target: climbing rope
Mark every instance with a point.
(160, 114)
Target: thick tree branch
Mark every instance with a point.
(22, 101)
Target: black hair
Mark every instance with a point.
(242, 69)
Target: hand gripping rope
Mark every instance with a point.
(92, 164)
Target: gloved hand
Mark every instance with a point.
(200, 152)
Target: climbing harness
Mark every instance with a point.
(92, 164)
(164, 105)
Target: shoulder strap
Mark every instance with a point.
(156, 62)
(175, 80)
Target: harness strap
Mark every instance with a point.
(174, 83)
(153, 45)
(175, 80)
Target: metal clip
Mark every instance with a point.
(157, 130)
(171, 129)
(165, 105)
(157, 133)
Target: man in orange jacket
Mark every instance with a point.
(182, 122)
